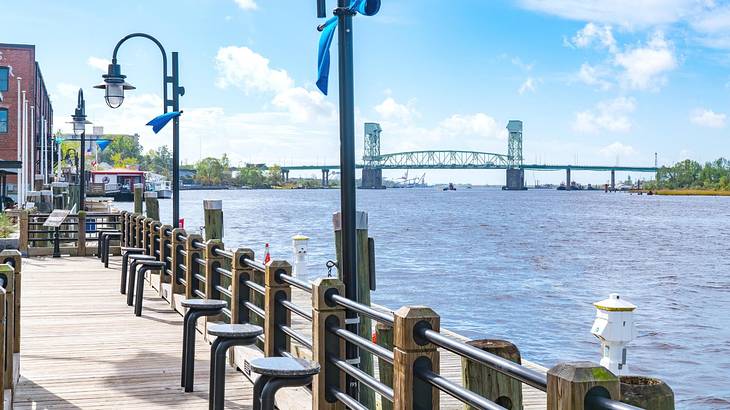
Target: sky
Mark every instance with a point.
(595, 82)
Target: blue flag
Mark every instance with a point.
(102, 144)
(160, 121)
(364, 7)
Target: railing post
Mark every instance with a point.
(193, 268)
(138, 230)
(411, 353)
(15, 259)
(165, 253)
(240, 293)
(213, 213)
(23, 236)
(81, 236)
(176, 288)
(568, 385)
(123, 228)
(3, 331)
(155, 248)
(146, 232)
(275, 340)
(326, 344)
(7, 273)
(486, 382)
(213, 278)
(384, 337)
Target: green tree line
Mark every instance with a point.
(689, 174)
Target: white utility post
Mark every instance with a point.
(31, 150)
(614, 327)
(300, 243)
(18, 180)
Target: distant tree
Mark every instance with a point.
(122, 150)
(158, 161)
(273, 175)
(209, 171)
(252, 177)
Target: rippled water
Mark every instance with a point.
(526, 266)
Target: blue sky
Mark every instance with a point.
(595, 82)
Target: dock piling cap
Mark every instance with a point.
(300, 237)
(614, 303)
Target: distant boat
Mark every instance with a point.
(117, 183)
(162, 187)
(451, 187)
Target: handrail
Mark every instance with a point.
(252, 263)
(295, 309)
(378, 316)
(296, 336)
(223, 290)
(198, 244)
(224, 272)
(595, 401)
(255, 309)
(297, 283)
(363, 377)
(347, 400)
(255, 287)
(525, 375)
(222, 252)
(200, 261)
(456, 391)
(363, 343)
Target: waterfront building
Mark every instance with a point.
(31, 119)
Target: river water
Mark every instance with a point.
(526, 266)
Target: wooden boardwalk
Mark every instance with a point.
(82, 347)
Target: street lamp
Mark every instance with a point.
(115, 84)
(79, 126)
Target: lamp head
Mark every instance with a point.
(114, 86)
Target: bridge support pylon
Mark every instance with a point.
(372, 178)
(325, 178)
(567, 179)
(613, 180)
(515, 179)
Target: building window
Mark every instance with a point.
(3, 120)
(4, 75)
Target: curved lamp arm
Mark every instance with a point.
(164, 60)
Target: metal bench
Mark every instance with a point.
(126, 253)
(105, 239)
(276, 373)
(196, 308)
(144, 267)
(227, 335)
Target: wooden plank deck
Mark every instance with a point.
(82, 347)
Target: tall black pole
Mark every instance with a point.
(82, 172)
(175, 143)
(347, 166)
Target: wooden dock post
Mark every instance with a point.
(568, 384)
(165, 234)
(240, 293)
(326, 344)
(81, 235)
(152, 205)
(15, 259)
(123, 218)
(489, 383)
(176, 288)
(192, 266)
(384, 337)
(276, 341)
(409, 391)
(7, 273)
(3, 330)
(367, 395)
(23, 235)
(213, 278)
(213, 213)
(138, 192)
(646, 392)
(138, 230)
(156, 251)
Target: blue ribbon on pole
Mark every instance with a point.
(160, 121)
(364, 7)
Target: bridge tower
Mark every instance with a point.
(515, 173)
(372, 174)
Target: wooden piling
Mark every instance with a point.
(152, 205)
(367, 395)
(568, 384)
(138, 192)
(213, 213)
(275, 340)
(384, 337)
(646, 392)
(409, 391)
(326, 344)
(483, 380)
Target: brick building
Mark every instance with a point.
(19, 69)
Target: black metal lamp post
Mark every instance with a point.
(115, 85)
(79, 124)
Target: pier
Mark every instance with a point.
(81, 345)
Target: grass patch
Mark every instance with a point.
(680, 192)
(6, 226)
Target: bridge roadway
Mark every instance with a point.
(531, 167)
(82, 347)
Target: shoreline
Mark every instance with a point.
(689, 192)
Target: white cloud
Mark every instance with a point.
(516, 61)
(249, 71)
(594, 75)
(66, 91)
(389, 109)
(708, 118)
(528, 85)
(100, 64)
(617, 149)
(478, 125)
(645, 67)
(247, 4)
(601, 35)
(630, 13)
(610, 115)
